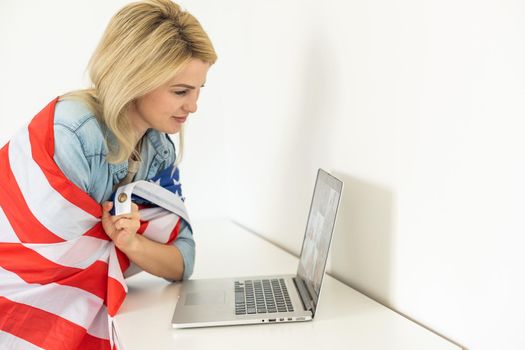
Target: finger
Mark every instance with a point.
(116, 234)
(121, 223)
(127, 223)
(130, 225)
(106, 218)
(116, 218)
(135, 214)
(129, 216)
(106, 207)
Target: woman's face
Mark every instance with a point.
(166, 108)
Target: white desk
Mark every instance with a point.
(346, 319)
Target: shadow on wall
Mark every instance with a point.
(361, 251)
(316, 106)
(308, 140)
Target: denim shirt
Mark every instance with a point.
(80, 152)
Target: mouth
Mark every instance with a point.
(180, 119)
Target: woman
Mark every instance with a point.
(146, 75)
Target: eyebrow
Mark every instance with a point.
(185, 86)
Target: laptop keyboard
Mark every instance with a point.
(261, 296)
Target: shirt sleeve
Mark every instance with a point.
(70, 157)
(186, 245)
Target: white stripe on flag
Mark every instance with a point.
(7, 235)
(152, 213)
(114, 270)
(160, 226)
(80, 252)
(99, 326)
(10, 341)
(70, 303)
(43, 201)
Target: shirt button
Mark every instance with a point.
(165, 152)
(155, 163)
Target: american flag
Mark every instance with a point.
(61, 277)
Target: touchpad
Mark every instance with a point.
(208, 297)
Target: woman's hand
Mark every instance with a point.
(164, 260)
(122, 229)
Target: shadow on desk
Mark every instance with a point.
(362, 243)
(146, 296)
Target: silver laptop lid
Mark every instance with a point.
(318, 235)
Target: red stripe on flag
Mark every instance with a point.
(91, 342)
(41, 132)
(34, 268)
(116, 296)
(97, 231)
(143, 226)
(24, 223)
(45, 329)
(123, 260)
(175, 232)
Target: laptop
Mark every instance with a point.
(268, 299)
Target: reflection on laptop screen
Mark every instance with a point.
(319, 228)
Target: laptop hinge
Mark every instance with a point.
(303, 293)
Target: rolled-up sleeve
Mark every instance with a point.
(186, 245)
(70, 157)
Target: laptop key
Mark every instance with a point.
(239, 295)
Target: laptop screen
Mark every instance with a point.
(319, 229)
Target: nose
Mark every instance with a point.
(190, 104)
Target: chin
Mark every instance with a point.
(171, 131)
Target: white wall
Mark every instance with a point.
(416, 105)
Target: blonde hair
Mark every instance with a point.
(144, 45)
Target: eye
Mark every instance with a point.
(181, 93)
